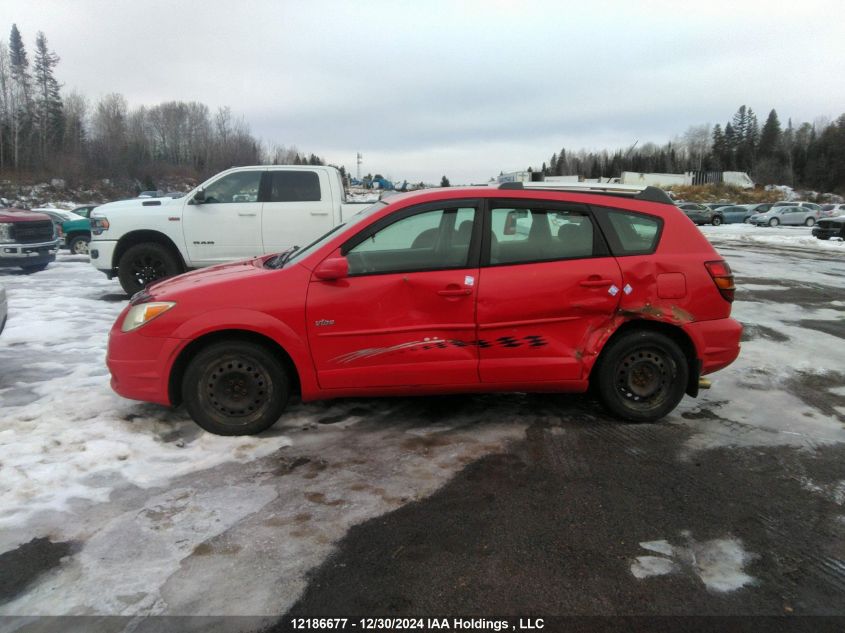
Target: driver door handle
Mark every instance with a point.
(454, 292)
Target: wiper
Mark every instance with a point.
(279, 260)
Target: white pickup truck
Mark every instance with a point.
(239, 213)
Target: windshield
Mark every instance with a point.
(316, 244)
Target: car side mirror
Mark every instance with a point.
(332, 269)
(199, 196)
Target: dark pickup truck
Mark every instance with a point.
(27, 240)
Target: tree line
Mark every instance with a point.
(44, 131)
(811, 155)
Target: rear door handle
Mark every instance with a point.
(245, 213)
(454, 292)
(319, 213)
(596, 283)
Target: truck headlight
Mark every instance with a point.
(99, 224)
(143, 313)
(6, 233)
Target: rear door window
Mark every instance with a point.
(294, 186)
(523, 235)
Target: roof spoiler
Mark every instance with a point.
(637, 192)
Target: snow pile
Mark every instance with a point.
(799, 237)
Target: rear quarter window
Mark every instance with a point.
(632, 233)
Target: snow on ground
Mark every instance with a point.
(153, 506)
(154, 509)
(800, 237)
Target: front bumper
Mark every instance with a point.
(140, 365)
(716, 342)
(101, 255)
(14, 255)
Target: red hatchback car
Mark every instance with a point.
(444, 291)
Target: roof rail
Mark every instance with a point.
(637, 192)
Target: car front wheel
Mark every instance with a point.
(717, 220)
(642, 376)
(774, 222)
(809, 222)
(235, 388)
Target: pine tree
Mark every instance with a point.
(20, 94)
(770, 137)
(48, 101)
(444, 182)
(719, 146)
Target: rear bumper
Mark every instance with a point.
(14, 255)
(716, 342)
(140, 365)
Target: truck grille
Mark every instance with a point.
(32, 232)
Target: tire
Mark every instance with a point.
(79, 245)
(716, 220)
(260, 382)
(145, 263)
(660, 365)
(774, 222)
(36, 268)
(809, 221)
(823, 237)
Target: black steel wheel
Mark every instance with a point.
(642, 376)
(145, 263)
(235, 388)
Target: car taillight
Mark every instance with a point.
(723, 278)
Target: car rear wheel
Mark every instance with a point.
(642, 376)
(717, 220)
(774, 222)
(235, 388)
(79, 245)
(809, 221)
(145, 263)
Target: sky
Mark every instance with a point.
(464, 89)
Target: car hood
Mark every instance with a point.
(19, 215)
(135, 204)
(204, 278)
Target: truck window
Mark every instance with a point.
(294, 186)
(240, 186)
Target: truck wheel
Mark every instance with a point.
(642, 376)
(774, 222)
(79, 245)
(716, 220)
(809, 221)
(235, 388)
(34, 269)
(145, 263)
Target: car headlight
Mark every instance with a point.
(6, 233)
(143, 313)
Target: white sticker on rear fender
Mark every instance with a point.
(613, 290)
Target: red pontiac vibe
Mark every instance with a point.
(480, 289)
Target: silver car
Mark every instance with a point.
(3, 308)
(794, 215)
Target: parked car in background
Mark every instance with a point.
(798, 203)
(827, 228)
(832, 210)
(717, 205)
(85, 211)
(700, 213)
(735, 214)
(437, 292)
(778, 215)
(77, 235)
(758, 207)
(28, 240)
(59, 217)
(4, 310)
(241, 212)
